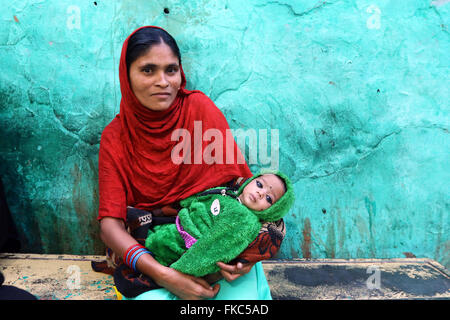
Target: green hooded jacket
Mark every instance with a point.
(222, 226)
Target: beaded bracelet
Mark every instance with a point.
(132, 255)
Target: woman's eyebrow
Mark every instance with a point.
(148, 65)
(153, 66)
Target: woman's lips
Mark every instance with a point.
(162, 95)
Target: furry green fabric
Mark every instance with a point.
(220, 237)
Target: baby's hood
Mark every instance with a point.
(280, 208)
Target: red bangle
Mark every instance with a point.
(127, 255)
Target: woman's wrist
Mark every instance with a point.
(132, 255)
(152, 268)
(115, 236)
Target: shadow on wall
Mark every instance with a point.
(9, 238)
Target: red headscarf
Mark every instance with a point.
(135, 164)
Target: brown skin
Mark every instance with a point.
(155, 79)
(262, 192)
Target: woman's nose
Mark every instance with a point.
(162, 81)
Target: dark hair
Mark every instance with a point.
(143, 39)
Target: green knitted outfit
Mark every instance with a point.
(222, 226)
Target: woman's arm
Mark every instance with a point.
(114, 235)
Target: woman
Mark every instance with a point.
(136, 167)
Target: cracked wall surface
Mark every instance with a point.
(358, 91)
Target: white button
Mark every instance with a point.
(215, 207)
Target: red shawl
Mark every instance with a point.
(135, 164)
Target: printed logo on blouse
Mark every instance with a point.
(215, 207)
(145, 219)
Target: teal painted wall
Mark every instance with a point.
(358, 91)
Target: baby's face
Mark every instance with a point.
(262, 192)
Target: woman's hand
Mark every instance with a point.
(114, 235)
(185, 286)
(231, 272)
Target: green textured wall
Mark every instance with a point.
(357, 89)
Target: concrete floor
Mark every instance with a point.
(359, 279)
(70, 277)
(57, 277)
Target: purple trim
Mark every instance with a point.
(188, 239)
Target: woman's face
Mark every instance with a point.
(155, 77)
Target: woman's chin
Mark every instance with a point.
(157, 107)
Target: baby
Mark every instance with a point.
(218, 224)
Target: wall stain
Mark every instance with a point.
(341, 231)
(306, 244)
(331, 242)
(409, 255)
(371, 210)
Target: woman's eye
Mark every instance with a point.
(172, 70)
(258, 184)
(269, 199)
(147, 70)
